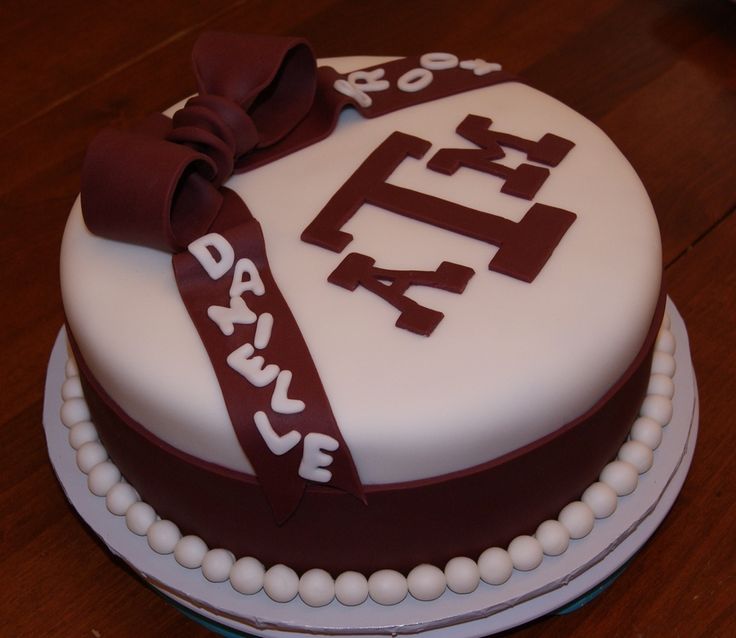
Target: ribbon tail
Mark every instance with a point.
(288, 447)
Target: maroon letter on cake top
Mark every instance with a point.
(357, 269)
(523, 181)
(524, 246)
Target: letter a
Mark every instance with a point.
(358, 270)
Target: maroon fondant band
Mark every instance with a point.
(405, 524)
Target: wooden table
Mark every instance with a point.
(658, 76)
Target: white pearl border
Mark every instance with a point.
(316, 587)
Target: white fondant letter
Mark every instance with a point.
(479, 66)
(226, 318)
(314, 460)
(369, 80)
(252, 368)
(200, 249)
(438, 61)
(253, 283)
(263, 330)
(277, 444)
(280, 402)
(344, 87)
(415, 80)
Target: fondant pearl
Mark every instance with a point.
(102, 477)
(316, 588)
(662, 385)
(426, 582)
(577, 518)
(663, 363)
(495, 566)
(638, 454)
(621, 476)
(163, 536)
(665, 342)
(89, 455)
(387, 587)
(120, 498)
(71, 389)
(281, 583)
(73, 411)
(601, 499)
(139, 517)
(554, 537)
(526, 553)
(246, 575)
(190, 551)
(657, 408)
(81, 433)
(647, 431)
(216, 565)
(71, 369)
(351, 588)
(463, 575)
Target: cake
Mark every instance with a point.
(374, 327)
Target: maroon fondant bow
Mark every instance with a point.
(253, 91)
(260, 98)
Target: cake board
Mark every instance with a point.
(559, 580)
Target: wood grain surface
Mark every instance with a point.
(659, 76)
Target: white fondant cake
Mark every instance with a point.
(508, 368)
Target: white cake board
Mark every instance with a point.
(527, 595)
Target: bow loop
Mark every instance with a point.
(126, 200)
(273, 79)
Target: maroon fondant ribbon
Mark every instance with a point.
(161, 187)
(286, 374)
(260, 98)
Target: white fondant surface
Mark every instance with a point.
(510, 361)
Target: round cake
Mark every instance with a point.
(434, 333)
